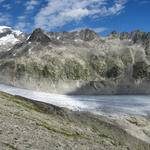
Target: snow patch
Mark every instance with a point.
(10, 38)
(30, 50)
(17, 32)
(14, 54)
(9, 49)
(2, 28)
(28, 37)
(58, 38)
(77, 40)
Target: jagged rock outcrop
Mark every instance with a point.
(125, 35)
(38, 35)
(114, 34)
(138, 36)
(141, 70)
(87, 35)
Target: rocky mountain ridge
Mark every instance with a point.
(79, 62)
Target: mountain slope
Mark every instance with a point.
(79, 62)
(27, 125)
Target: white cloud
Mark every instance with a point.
(2, 1)
(144, 2)
(30, 5)
(7, 6)
(76, 14)
(60, 12)
(98, 30)
(5, 18)
(21, 17)
(22, 26)
(17, 1)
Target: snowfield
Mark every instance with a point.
(9, 38)
(126, 104)
(2, 28)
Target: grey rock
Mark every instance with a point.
(87, 35)
(114, 33)
(138, 36)
(125, 35)
(38, 35)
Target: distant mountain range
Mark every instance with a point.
(76, 62)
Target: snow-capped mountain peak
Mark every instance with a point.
(4, 28)
(10, 36)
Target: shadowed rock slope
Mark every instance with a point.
(28, 125)
(79, 62)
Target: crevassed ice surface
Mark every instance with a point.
(126, 104)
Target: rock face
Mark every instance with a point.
(87, 35)
(124, 35)
(78, 62)
(114, 34)
(141, 70)
(139, 121)
(38, 35)
(59, 128)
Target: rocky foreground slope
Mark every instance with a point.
(31, 125)
(77, 62)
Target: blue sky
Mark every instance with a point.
(103, 16)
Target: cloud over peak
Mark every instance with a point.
(60, 12)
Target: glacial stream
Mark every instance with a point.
(126, 104)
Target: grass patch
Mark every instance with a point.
(26, 104)
(55, 130)
(22, 102)
(63, 132)
(31, 106)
